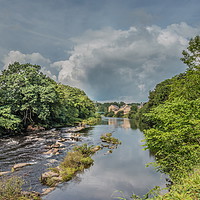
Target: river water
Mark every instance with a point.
(122, 170)
(119, 174)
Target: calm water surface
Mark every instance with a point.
(123, 170)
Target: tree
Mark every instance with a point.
(27, 96)
(191, 56)
(27, 92)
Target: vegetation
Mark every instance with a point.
(109, 139)
(173, 116)
(103, 108)
(187, 188)
(92, 120)
(28, 97)
(11, 189)
(75, 161)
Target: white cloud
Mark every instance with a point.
(34, 58)
(17, 56)
(116, 63)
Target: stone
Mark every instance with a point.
(20, 165)
(47, 190)
(49, 174)
(97, 148)
(112, 147)
(55, 146)
(4, 173)
(60, 144)
(30, 194)
(34, 128)
(52, 151)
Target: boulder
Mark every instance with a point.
(53, 176)
(97, 148)
(20, 165)
(60, 144)
(52, 151)
(4, 173)
(55, 146)
(49, 174)
(47, 190)
(34, 128)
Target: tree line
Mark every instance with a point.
(173, 118)
(27, 96)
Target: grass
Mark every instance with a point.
(11, 189)
(187, 188)
(75, 161)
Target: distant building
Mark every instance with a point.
(113, 108)
(125, 108)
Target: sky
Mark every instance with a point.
(114, 50)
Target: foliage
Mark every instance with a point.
(173, 116)
(11, 189)
(188, 188)
(158, 96)
(191, 56)
(103, 107)
(133, 111)
(27, 96)
(92, 120)
(109, 139)
(109, 114)
(75, 161)
(119, 114)
(175, 137)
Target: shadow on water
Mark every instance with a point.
(123, 170)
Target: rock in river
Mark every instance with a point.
(20, 165)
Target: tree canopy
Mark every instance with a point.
(173, 114)
(27, 96)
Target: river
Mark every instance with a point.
(119, 174)
(122, 170)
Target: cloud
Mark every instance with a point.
(114, 64)
(118, 65)
(34, 58)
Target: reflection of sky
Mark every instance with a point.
(122, 170)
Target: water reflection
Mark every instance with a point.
(123, 122)
(122, 170)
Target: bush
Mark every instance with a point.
(11, 189)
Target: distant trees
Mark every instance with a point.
(27, 96)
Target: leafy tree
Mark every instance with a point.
(173, 111)
(28, 92)
(27, 96)
(119, 114)
(191, 56)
